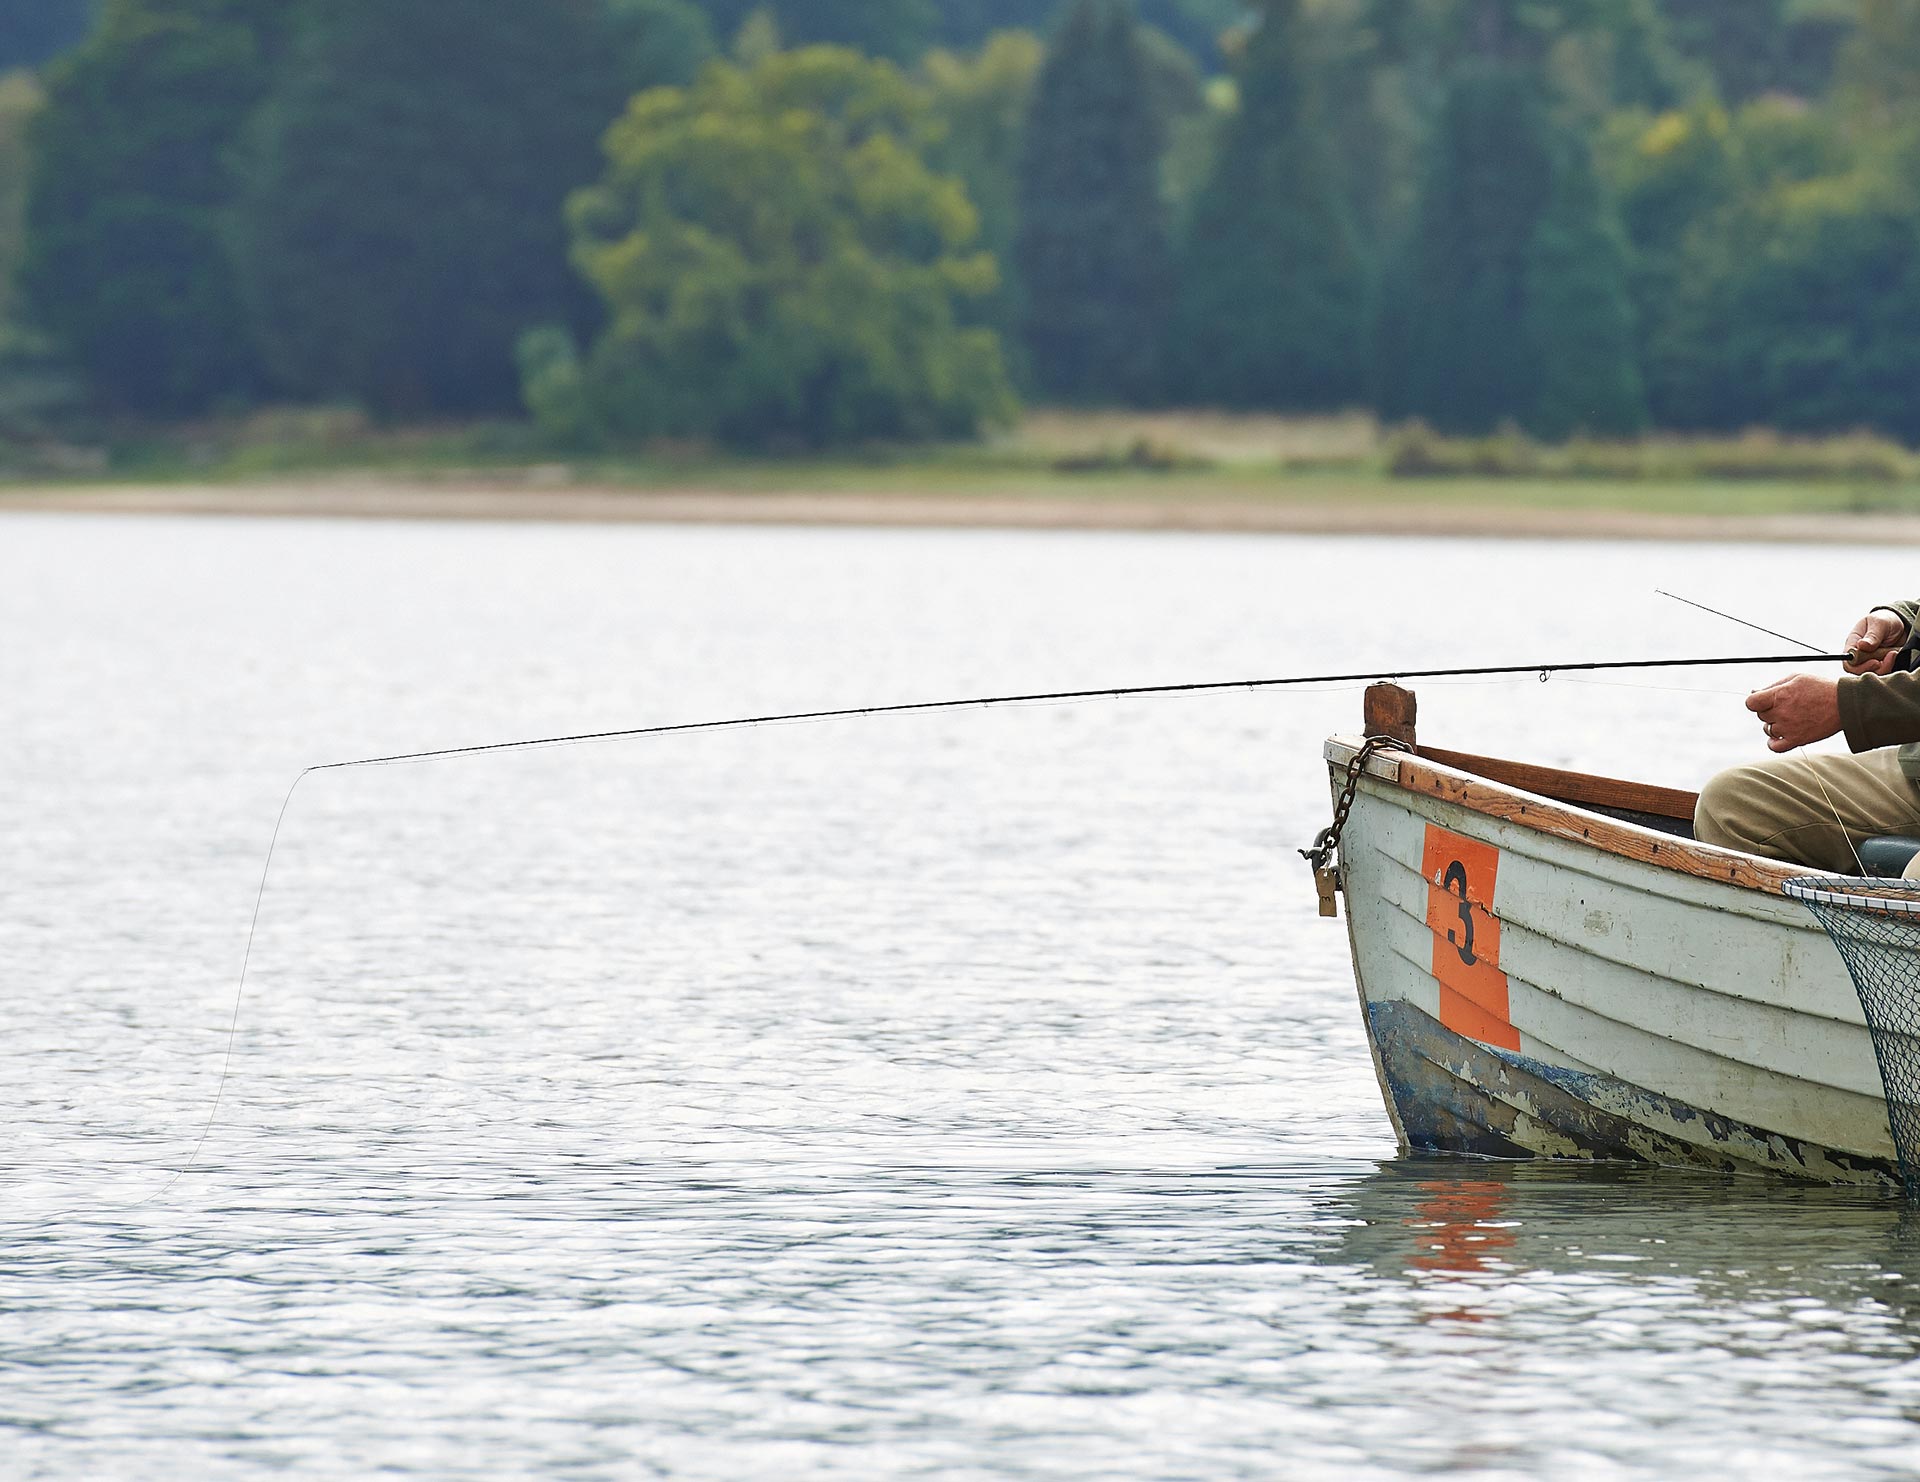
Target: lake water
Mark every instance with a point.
(969, 1095)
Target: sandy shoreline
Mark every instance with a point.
(365, 499)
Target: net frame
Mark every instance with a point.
(1875, 926)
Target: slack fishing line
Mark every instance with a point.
(856, 712)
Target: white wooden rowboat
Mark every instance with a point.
(1550, 966)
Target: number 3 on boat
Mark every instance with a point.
(1549, 965)
(1461, 875)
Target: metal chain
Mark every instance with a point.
(1321, 854)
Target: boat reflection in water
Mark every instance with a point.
(1654, 1253)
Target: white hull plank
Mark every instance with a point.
(1549, 973)
(1695, 1020)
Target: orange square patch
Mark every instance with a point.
(1461, 874)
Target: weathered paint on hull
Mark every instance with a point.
(1452, 1095)
(1528, 995)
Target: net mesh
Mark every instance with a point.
(1876, 926)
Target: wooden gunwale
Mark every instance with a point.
(1571, 787)
(1493, 787)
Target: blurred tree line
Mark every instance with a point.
(795, 222)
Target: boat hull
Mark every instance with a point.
(1539, 981)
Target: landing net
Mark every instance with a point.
(1876, 926)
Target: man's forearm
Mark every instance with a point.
(1880, 710)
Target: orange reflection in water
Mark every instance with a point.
(1459, 1231)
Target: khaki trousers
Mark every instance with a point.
(1807, 809)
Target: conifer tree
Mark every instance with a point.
(1273, 285)
(400, 223)
(1579, 312)
(1467, 360)
(1094, 251)
(899, 30)
(126, 264)
(1197, 25)
(1512, 300)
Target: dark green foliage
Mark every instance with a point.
(399, 224)
(1759, 46)
(979, 106)
(1273, 306)
(1094, 251)
(1801, 310)
(1880, 66)
(897, 29)
(779, 268)
(970, 22)
(658, 42)
(32, 31)
(1513, 301)
(1777, 277)
(1579, 311)
(1462, 360)
(38, 390)
(126, 262)
(1643, 67)
(1197, 25)
(40, 396)
(1738, 40)
(20, 102)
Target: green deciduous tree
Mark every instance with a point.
(399, 224)
(1880, 67)
(778, 266)
(126, 261)
(1273, 308)
(1800, 308)
(1777, 281)
(979, 108)
(1094, 253)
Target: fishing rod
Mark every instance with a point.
(986, 702)
(921, 707)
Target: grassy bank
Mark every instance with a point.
(1167, 462)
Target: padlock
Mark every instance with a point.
(1326, 882)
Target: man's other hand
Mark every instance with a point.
(1797, 711)
(1876, 640)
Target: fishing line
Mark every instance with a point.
(855, 712)
(1800, 752)
(1827, 797)
(1664, 689)
(1784, 637)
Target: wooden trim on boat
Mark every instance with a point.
(1571, 787)
(1439, 774)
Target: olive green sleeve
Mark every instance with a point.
(1907, 612)
(1880, 710)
